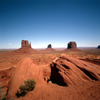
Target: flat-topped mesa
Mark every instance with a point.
(72, 45)
(98, 47)
(25, 43)
(49, 46)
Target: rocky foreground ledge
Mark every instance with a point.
(64, 71)
(69, 71)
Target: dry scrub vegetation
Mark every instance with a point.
(10, 60)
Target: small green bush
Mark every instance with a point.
(30, 83)
(2, 77)
(24, 89)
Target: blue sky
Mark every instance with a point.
(44, 22)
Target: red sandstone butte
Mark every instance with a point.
(49, 48)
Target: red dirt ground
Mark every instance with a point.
(85, 91)
(48, 91)
(72, 49)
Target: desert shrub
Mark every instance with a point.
(24, 89)
(2, 77)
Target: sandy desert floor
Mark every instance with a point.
(50, 91)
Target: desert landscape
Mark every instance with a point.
(49, 49)
(60, 74)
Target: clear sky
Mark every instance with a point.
(44, 22)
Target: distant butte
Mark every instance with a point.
(98, 47)
(25, 43)
(49, 48)
(25, 48)
(72, 46)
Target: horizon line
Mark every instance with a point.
(46, 47)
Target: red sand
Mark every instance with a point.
(89, 90)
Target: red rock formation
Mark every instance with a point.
(25, 69)
(5, 75)
(25, 43)
(98, 47)
(25, 48)
(72, 45)
(68, 71)
(49, 48)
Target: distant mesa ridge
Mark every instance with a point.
(26, 47)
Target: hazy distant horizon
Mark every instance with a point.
(44, 22)
(45, 48)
